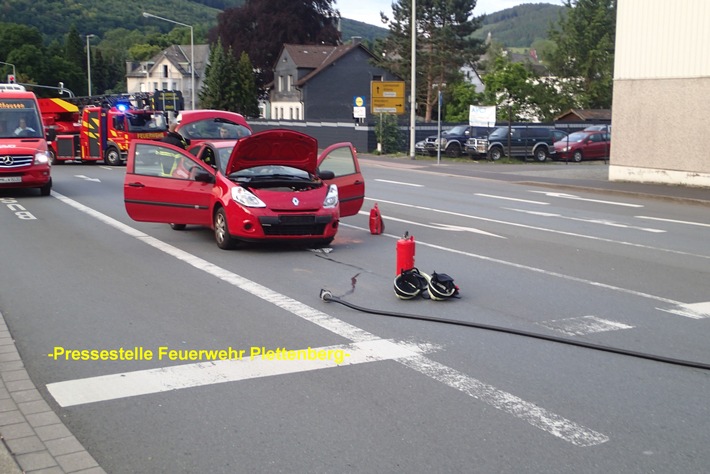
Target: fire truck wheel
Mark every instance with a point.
(112, 157)
(53, 158)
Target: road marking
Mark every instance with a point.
(512, 199)
(400, 183)
(693, 311)
(590, 221)
(583, 325)
(164, 379)
(86, 178)
(454, 228)
(536, 416)
(541, 229)
(577, 198)
(673, 221)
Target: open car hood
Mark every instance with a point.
(275, 147)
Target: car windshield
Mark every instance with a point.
(214, 129)
(575, 137)
(19, 118)
(146, 122)
(458, 130)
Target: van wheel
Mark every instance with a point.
(221, 231)
(112, 157)
(495, 153)
(541, 154)
(577, 157)
(46, 189)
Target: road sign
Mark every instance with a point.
(387, 97)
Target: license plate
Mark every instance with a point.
(10, 179)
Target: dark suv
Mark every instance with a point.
(537, 142)
(452, 141)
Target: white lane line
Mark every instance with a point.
(143, 382)
(506, 402)
(589, 221)
(583, 325)
(433, 225)
(577, 198)
(701, 224)
(693, 310)
(399, 183)
(541, 229)
(493, 196)
(538, 417)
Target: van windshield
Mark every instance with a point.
(19, 118)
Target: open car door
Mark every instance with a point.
(166, 184)
(341, 159)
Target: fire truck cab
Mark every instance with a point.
(24, 157)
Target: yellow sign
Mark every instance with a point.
(387, 97)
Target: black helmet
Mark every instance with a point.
(441, 286)
(409, 284)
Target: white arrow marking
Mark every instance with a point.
(591, 221)
(577, 198)
(81, 176)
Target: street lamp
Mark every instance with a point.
(192, 50)
(88, 60)
(13, 69)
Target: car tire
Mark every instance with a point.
(541, 154)
(453, 150)
(221, 231)
(577, 157)
(46, 189)
(177, 226)
(318, 244)
(495, 153)
(112, 156)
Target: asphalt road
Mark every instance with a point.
(536, 248)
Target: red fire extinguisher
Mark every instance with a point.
(376, 224)
(405, 253)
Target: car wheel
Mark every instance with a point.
(541, 154)
(46, 189)
(112, 157)
(221, 231)
(177, 226)
(453, 150)
(577, 157)
(495, 153)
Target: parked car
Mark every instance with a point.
(598, 127)
(584, 145)
(524, 142)
(201, 125)
(269, 186)
(452, 142)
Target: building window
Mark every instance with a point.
(281, 84)
(290, 112)
(165, 86)
(282, 113)
(290, 83)
(165, 70)
(376, 78)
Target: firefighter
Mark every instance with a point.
(175, 138)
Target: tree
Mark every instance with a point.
(459, 97)
(585, 50)
(219, 89)
(261, 28)
(444, 44)
(247, 102)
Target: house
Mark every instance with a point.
(585, 115)
(169, 70)
(320, 82)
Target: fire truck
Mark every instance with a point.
(90, 129)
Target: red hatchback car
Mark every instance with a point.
(269, 186)
(584, 145)
(210, 125)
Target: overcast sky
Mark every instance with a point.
(368, 11)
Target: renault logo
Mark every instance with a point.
(295, 201)
(7, 160)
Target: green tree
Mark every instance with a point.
(444, 44)
(459, 97)
(585, 50)
(247, 93)
(219, 90)
(75, 53)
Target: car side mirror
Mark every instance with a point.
(326, 174)
(204, 176)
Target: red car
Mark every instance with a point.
(584, 145)
(203, 125)
(270, 186)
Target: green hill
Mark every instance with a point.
(520, 26)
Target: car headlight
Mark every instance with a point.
(331, 199)
(41, 158)
(565, 149)
(246, 198)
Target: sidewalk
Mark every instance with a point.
(589, 176)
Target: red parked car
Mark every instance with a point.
(269, 186)
(202, 125)
(584, 145)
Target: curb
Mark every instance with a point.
(34, 438)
